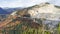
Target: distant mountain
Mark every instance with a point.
(12, 9)
(2, 11)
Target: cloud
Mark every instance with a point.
(55, 2)
(20, 3)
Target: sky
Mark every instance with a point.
(25, 3)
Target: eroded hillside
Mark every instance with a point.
(29, 18)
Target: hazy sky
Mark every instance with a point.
(25, 3)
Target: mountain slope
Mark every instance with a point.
(34, 11)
